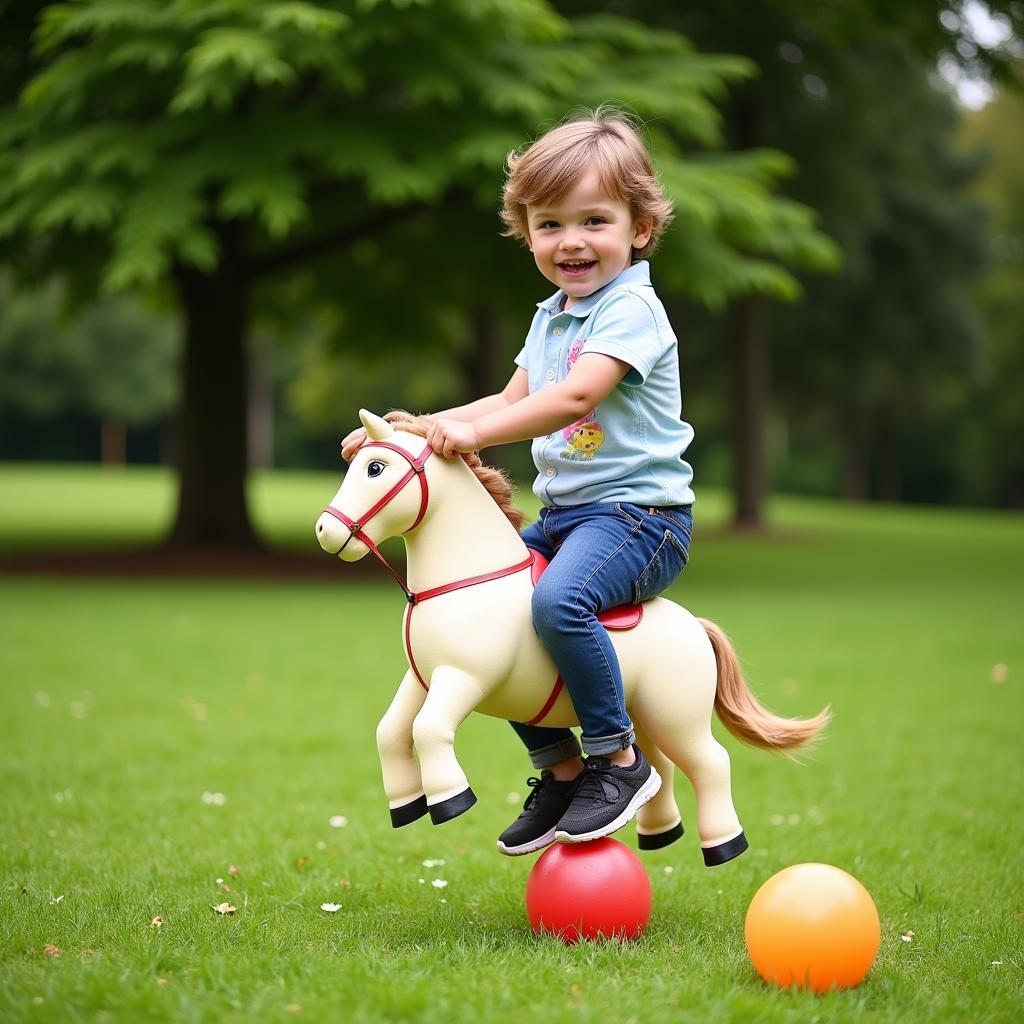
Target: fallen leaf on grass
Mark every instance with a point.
(225, 908)
(55, 899)
(162, 981)
(157, 922)
(908, 936)
(234, 870)
(301, 862)
(225, 888)
(1000, 673)
(51, 950)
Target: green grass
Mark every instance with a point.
(124, 702)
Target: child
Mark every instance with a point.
(597, 389)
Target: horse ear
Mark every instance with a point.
(377, 428)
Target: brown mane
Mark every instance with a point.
(494, 480)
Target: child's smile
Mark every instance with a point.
(585, 239)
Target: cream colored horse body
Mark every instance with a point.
(477, 650)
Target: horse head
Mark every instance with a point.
(383, 494)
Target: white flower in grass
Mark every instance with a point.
(512, 798)
(214, 799)
(338, 821)
(331, 908)
(438, 883)
(433, 863)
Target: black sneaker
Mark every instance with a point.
(607, 797)
(535, 827)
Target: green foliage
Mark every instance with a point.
(115, 360)
(152, 124)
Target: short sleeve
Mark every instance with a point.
(521, 361)
(627, 328)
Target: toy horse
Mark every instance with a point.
(471, 645)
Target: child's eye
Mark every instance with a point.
(595, 220)
(549, 224)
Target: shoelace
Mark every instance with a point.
(592, 784)
(535, 784)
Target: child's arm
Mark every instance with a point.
(589, 382)
(517, 388)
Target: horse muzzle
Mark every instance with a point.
(337, 539)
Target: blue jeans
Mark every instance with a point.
(602, 554)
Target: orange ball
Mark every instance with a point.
(812, 926)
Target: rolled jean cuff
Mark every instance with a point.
(545, 757)
(609, 744)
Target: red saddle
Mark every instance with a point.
(625, 616)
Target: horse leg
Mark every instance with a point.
(398, 764)
(706, 764)
(453, 695)
(657, 822)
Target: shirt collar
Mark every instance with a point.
(638, 273)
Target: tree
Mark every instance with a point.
(817, 99)
(214, 150)
(114, 361)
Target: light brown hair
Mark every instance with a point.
(606, 138)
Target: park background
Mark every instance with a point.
(226, 226)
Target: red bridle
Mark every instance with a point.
(355, 526)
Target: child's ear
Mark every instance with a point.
(642, 233)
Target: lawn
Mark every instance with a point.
(169, 746)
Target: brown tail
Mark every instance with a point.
(743, 715)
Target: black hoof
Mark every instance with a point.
(408, 813)
(724, 852)
(656, 840)
(452, 807)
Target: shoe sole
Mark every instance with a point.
(646, 792)
(531, 847)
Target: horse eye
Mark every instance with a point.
(375, 468)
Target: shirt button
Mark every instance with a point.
(558, 330)
(549, 471)
(550, 375)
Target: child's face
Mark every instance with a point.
(585, 239)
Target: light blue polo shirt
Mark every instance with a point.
(630, 448)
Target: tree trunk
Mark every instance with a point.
(479, 367)
(750, 386)
(854, 433)
(113, 444)
(890, 470)
(261, 407)
(211, 435)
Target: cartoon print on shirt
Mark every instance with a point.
(585, 436)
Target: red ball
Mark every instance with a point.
(595, 890)
(812, 926)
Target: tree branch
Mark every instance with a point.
(282, 259)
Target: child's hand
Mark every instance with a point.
(351, 443)
(448, 437)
